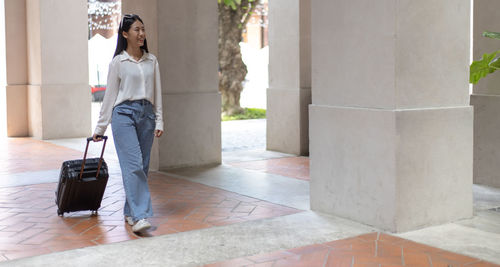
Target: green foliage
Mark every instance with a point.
(481, 68)
(233, 3)
(494, 35)
(248, 114)
(495, 63)
(489, 63)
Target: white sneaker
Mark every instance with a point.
(141, 225)
(129, 220)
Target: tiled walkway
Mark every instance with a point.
(30, 226)
(296, 167)
(367, 250)
(26, 154)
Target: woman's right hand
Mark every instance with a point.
(97, 138)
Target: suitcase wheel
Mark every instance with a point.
(94, 213)
(59, 212)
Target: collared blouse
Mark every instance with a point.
(129, 79)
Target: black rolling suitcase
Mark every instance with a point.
(82, 183)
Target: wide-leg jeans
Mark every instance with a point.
(133, 124)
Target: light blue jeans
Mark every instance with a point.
(133, 124)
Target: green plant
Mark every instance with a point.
(247, 114)
(489, 63)
(232, 3)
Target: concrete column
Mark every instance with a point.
(391, 126)
(187, 52)
(16, 68)
(486, 98)
(147, 10)
(58, 94)
(289, 92)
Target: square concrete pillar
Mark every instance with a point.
(187, 52)
(486, 98)
(390, 122)
(289, 92)
(58, 91)
(16, 68)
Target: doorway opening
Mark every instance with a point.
(246, 132)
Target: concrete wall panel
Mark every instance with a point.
(17, 111)
(434, 166)
(64, 46)
(287, 121)
(284, 47)
(187, 52)
(289, 91)
(425, 75)
(353, 53)
(33, 28)
(35, 115)
(391, 128)
(15, 32)
(192, 130)
(66, 111)
(486, 139)
(353, 164)
(188, 46)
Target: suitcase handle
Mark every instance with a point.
(85, 155)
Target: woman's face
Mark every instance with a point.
(136, 34)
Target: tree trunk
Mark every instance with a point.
(232, 70)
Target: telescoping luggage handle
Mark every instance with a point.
(100, 159)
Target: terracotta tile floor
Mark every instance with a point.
(374, 249)
(295, 167)
(26, 154)
(30, 226)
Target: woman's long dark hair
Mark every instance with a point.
(125, 24)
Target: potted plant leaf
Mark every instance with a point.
(488, 64)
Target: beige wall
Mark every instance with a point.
(17, 66)
(58, 92)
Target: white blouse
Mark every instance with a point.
(129, 79)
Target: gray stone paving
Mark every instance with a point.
(244, 135)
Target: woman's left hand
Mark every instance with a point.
(158, 133)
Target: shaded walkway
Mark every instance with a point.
(251, 211)
(30, 226)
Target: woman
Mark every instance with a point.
(133, 105)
